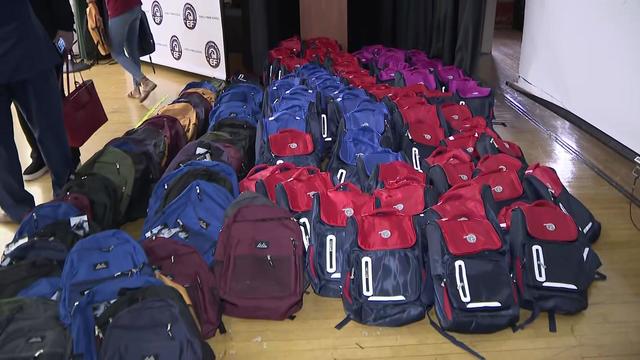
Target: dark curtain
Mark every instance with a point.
(446, 29)
(265, 23)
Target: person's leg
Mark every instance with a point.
(131, 43)
(28, 134)
(39, 99)
(118, 28)
(14, 199)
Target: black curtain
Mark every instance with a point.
(446, 29)
(265, 23)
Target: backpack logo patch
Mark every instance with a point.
(151, 357)
(348, 212)
(471, 238)
(262, 244)
(385, 234)
(550, 226)
(35, 339)
(203, 224)
(101, 265)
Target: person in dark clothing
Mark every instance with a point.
(28, 79)
(56, 17)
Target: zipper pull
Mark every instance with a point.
(293, 243)
(269, 261)
(169, 330)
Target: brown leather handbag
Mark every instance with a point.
(83, 110)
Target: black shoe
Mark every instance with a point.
(36, 170)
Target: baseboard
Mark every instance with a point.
(582, 124)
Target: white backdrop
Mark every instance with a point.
(584, 55)
(188, 35)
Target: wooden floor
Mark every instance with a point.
(609, 328)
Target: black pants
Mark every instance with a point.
(38, 98)
(36, 155)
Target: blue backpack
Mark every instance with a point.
(43, 215)
(371, 114)
(234, 109)
(151, 329)
(95, 271)
(201, 85)
(195, 217)
(351, 145)
(160, 190)
(248, 93)
(276, 90)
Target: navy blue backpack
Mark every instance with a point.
(95, 271)
(387, 283)
(151, 329)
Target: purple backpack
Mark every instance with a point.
(368, 53)
(448, 73)
(390, 58)
(207, 150)
(419, 76)
(429, 64)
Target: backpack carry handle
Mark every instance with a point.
(384, 211)
(346, 186)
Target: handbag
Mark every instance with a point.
(82, 109)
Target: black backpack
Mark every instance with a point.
(130, 297)
(30, 329)
(17, 277)
(103, 196)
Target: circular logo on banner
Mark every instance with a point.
(156, 12)
(189, 16)
(175, 47)
(212, 54)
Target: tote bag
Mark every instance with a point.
(83, 110)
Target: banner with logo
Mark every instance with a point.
(188, 35)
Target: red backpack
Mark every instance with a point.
(259, 262)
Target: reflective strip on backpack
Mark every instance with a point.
(538, 263)
(325, 131)
(306, 231)
(461, 281)
(331, 253)
(341, 175)
(415, 157)
(367, 277)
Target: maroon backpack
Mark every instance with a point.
(259, 261)
(183, 264)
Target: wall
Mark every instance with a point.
(584, 55)
(324, 18)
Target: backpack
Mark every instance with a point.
(466, 200)
(349, 146)
(43, 215)
(480, 100)
(217, 172)
(183, 264)
(192, 211)
(448, 168)
(471, 272)
(239, 133)
(186, 114)
(387, 280)
(490, 143)
(94, 272)
(52, 242)
(103, 197)
(267, 186)
(506, 187)
(147, 172)
(423, 131)
(259, 173)
(31, 330)
(174, 135)
(259, 263)
(80, 202)
(17, 277)
(238, 110)
(367, 163)
(544, 183)
(554, 263)
(209, 86)
(208, 94)
(415, 75)
(446, 74)
(330, 242)
(119, 167)
(392, 173)
(291, 137)
(208, 151)
(153, 328)
(201, 105)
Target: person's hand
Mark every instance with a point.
(67, 36)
